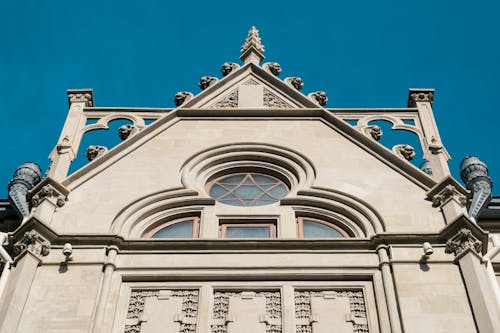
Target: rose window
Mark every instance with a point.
(247, 189)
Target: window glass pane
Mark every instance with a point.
(247, 232)
(248, 192)
(177, 230)
(319, 230)
(232, 179)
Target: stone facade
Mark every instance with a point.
(399, 248)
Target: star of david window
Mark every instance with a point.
(247, 189)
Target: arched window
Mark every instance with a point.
(314, 228)
(186, 227)
(247, 189)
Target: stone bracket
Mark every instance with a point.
(33, 242)
(447, 190)
(49, 189)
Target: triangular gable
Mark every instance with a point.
(250, 87)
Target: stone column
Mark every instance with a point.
(29, 249)
(390, 294)
(69, 141)
(467, 248)
(434, 151)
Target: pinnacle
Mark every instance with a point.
(252, 40)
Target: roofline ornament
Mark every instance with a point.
(272, 67)
(228, 67)
(252, 50)
(474, 173)
(421, 96)
(295, 82)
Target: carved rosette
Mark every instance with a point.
(207, 81)
(463, 241)
(446, 194)
(404, 151)
(318, 97)
(375, 132)
(305, 317)
(295, 82)
(422, 96)
(229, 67)
(182, 97)
(48, 192)
(75, 96)
(94, 152)
(34, 242)
(272, 67)
(126, 130)
(187, 318)
(273, 101)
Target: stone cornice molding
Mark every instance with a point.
(81, 96)
(446, 190)
(420, 96)
(49, 189)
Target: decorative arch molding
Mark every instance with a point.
(292, 165)
(397, 123)
(152, 209)
(351, 212)
(103, 122)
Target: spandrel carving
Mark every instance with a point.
(273, 101)
(227, 102)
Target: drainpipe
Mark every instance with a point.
(25, 177)
(474, 173)
(6, 258)
(489, 267)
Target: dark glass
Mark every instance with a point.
(319, 230)
(247, 232)
(182, 229)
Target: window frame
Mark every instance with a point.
(195, 232)
(300, 227)
(248, 223)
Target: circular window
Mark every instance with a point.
(247, 189)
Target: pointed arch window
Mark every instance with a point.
(309, 227)
(186, 227)
(247, 189)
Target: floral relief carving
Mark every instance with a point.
(447, 193)
(305, 316)
(94, 152)
(34, 242)
(404, 151)
(227, 102)
(251, 82)
(462, 241)
(189, 309)
(48, 192)
(273, 101)
(273, 310)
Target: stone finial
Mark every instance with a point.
(34, 242)
(207, 81)
(420, 95)
(426, 167)
(375, 132)
(182, 97)
(24, 179)
(463, 241)
(94, 152)
(272, 67)
(318, 97)
(474, 173)
(295, 82)
(253, 40)
(229, 67)
(126, 130)
(404, 151)
(81, 96)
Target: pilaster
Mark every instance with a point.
(67, 146)
(434, 151)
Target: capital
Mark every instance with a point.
(34, 242)
(422, 95)
(81, 96)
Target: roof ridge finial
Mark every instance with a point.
(252, 50)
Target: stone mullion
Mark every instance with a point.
(288, 308)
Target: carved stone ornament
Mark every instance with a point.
(273, 101)
(446, 194)
(424, 95)
(182, 97)
(75, 96)
(33, 242)
(404, 151)
(126, 130)
(318, 97)
(94, 152)
(48, 192)
(207, 81)
(272, 67)
(227, 102)
(375, 132)
(435, 147)
(229, 67)
(295, 82)
(252, 40)
(426, 167)
(462, 241)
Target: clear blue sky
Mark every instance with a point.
(140, 53)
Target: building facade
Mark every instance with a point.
(250, 207)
